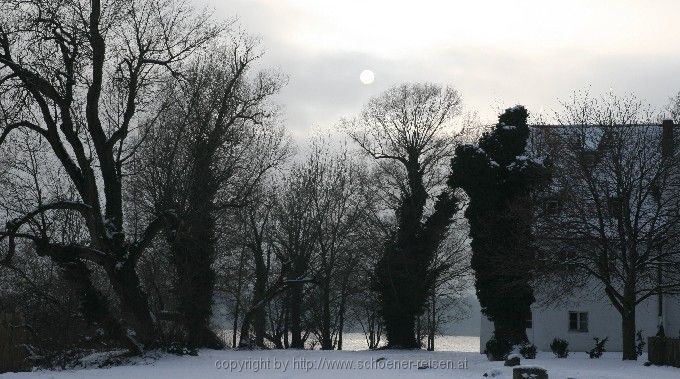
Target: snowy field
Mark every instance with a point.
(466, 362)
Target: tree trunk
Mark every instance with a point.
(259, 321)
(134, 303)
(432, 322)
(326, 342)
(256, 315)
(341, 322)
(419, 336)
(295, 305)
(400, 330)
(244, 335)
(402, 272)
(628, 327)
(193, 253)
(286, 322)
(235, 325)
(192, 257)
(237, 308)
(93, 304)
(512, 330)
(628, 330)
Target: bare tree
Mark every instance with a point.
(76, 73)
(255, 235)
(409, 124)
(445, 303)
(672, 110)
(339, 209)
(30, 284)
(615, 212)
(295, 238)
(377, 227)
(409, 130)
(220, 137)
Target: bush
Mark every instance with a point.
(599, 348)
(497, 349)
(640, 345)
(180, 349)
(560, 348)
(528, 351)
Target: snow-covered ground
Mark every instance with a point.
(359, 364)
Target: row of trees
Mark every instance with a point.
(333, 221)
(81, 77)
(146, 180)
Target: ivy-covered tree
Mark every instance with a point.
(407, 130)
(498, 178)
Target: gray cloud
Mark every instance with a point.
(324, 81)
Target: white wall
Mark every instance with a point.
(672, 316)
(603, 321)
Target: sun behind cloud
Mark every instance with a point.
(367, 77)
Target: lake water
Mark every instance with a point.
(357, 341)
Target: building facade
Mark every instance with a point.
(579, 319)
(578, 316)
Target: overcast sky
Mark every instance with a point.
(497, 53)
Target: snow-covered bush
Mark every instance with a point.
(560, 348)
(528, 351)
(497, 349)
(599, 348)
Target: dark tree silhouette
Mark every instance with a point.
(76, 74)
(408, 125)
(205, 154)
(498, 178)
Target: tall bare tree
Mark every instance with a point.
(409, 130)
(295, 238)
(339, 208)
(220, 137)
(77, 73)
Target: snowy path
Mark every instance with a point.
(357, 364)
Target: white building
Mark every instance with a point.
(579, 320)
(587, 313)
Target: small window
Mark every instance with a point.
(529, 321)
(578, 321)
